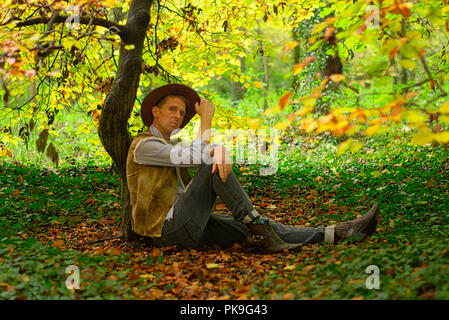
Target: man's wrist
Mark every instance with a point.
(207, 117)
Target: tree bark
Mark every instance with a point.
(267, 81)
(119, 103)
(238, 88)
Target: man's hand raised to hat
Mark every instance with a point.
(205, 109)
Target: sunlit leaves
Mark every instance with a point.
(258, 84)
(382, 50)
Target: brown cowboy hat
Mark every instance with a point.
(157, 94)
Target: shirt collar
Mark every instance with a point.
(156, 132)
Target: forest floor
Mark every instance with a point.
(49, 219)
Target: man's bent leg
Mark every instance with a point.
(192, 209)
(223, 230)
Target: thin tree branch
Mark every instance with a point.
(193, 23)
(429, 74)
(119, 29)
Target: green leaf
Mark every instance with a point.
(377, 67)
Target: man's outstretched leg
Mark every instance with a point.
(358, 229)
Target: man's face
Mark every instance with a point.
(169, 116)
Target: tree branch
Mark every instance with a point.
(429, 74)
(119, 29)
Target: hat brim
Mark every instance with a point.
(157, 94)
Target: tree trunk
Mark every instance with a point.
(118, 105)
(267, 81)
(238, 88)
(296, 57)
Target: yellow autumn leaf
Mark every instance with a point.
(354, 129)
(322, 127)
(415, 116)
(422, 138)
(444, 108)
(344, 146)
(442, 137)
(408, 64)
(302, 112)
(351, 144)
(444, 119)
(343, 110)
(319, 27)
(309, 125)
(297, 68)
(372, 130)
(258, 84)
(309, 103)
(282, 125)
(337, 77)
(355, 146)
(271, 111)
(212, 265)
(254, 123)
(290, 45)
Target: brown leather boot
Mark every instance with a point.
(263, 236)
(358, 228)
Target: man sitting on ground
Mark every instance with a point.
(171, 208)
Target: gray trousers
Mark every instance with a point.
(194, 225)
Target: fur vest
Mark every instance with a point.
(152, 189)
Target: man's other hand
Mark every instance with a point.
(221, 161)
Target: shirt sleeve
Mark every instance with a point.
(155, 152)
